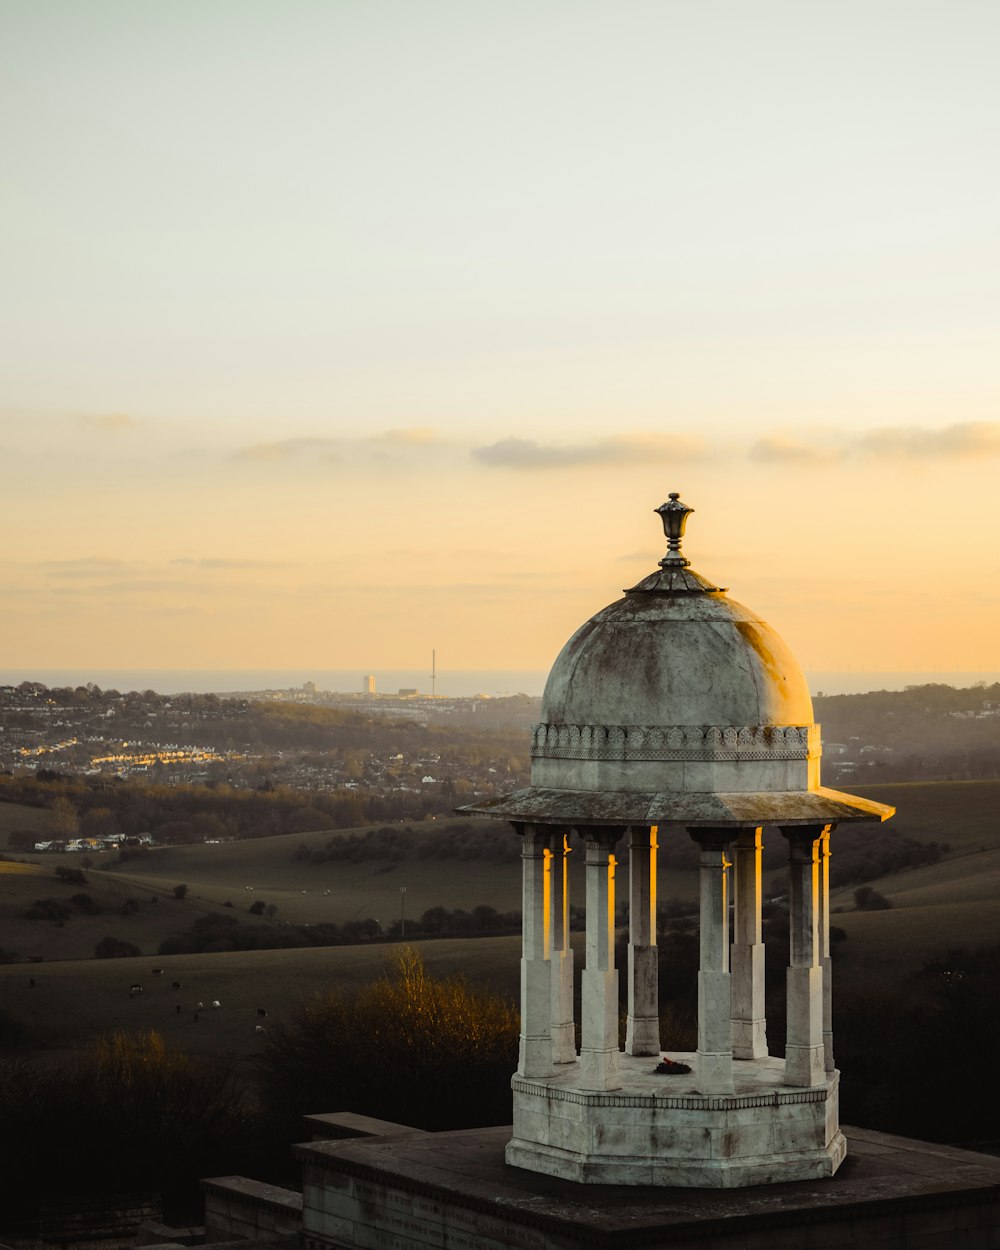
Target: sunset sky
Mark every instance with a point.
(335, 330)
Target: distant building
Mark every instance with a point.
(368, 684)
(309, 687)
(408, 692)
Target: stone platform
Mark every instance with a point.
(661, 1130)
(453, 1191)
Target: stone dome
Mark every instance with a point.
(676, 687)
(676, 703)
(677, 659)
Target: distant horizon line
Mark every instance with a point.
(451, 683)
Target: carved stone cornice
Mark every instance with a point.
(673, 742)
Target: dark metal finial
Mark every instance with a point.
(674, 515)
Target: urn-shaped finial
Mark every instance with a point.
(674, 515)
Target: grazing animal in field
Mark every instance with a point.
(196, 1017)
(176, 985)
(157, 972)
(200, 1005)
(134, 989)
(260, 1028)
(261, 1011)
(216, 1003)
(31, 982)
(178, 1009)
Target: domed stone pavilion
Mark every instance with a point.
(675, 712)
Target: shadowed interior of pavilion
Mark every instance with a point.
(675, 712)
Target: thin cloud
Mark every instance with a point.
(222, 562)
(336, 450)
(966, 440)
(112, 421)
(785, 451)
(86, 567)
(287, 448)
(416, 436)
(526, 453)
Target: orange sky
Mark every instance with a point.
(337, 332)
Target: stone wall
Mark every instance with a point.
(237, 1207)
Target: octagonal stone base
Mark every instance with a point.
(659, 1130)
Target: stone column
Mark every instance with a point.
(599, 1065)
(563, 1031)
(749, 1026)
(804, 1059)
(535, 1048)
(826, 963)
(714, 1072)
(642, 1036)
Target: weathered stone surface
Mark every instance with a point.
(454, 1190)
(350, 1124)
(676, 707)
(236, 1206)
(581, 808)
(741, 1124)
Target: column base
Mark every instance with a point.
(749, 1039)
(563, 1043)
(713, 1072)
(534, 1057)
(642, 1035)
(600, 1070)
(563, 1028)
(805, 1067)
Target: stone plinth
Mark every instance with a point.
(662, 1130)
(452, 1191)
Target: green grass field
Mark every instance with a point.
(74, 1002)
(935, 908)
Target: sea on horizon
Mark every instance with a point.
(459, 683)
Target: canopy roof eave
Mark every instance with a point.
(541, 805)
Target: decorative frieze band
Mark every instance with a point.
(784, 1096)
(671, 742)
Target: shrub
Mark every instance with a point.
(115, 948)
(73, 876)
(52, 909)
(180, 891)
(867, 899)
(153, 1118)
(87, 904)
(256, 908)
(410, 1047)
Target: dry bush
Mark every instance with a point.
(410, 1047)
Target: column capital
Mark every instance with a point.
(711, 838)
(536, 840)
(521, 827)
(602, 835)
(811, 831)
(802, 839)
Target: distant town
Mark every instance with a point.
(360, 744)
(357, 757)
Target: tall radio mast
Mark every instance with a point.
(434, 674)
